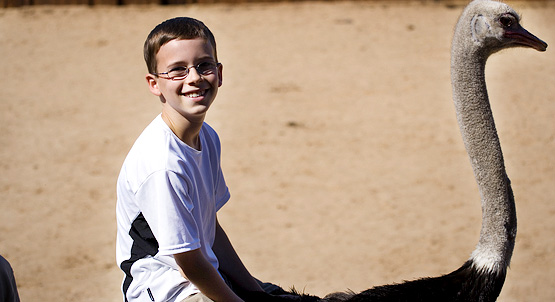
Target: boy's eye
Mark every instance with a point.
(178, 72)
(206, 67)
(178, 69)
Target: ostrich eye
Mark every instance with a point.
(506, 21)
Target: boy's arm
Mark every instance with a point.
(204, 276)
(230, 263)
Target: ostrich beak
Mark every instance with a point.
(522, 37)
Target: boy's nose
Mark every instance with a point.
(193, 76)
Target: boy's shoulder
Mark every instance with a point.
(157, 148)
(154, 138)
(150, 152)
(209, 131)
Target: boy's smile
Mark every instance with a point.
(195, 94)
(188, 97)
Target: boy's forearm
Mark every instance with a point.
(230, 263)
(205, 277)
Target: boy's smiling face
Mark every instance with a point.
(190, 97)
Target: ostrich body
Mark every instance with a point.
(484, 28)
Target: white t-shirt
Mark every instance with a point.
(167, 198)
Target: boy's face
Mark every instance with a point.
(190, 97)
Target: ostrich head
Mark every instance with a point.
(488, 26)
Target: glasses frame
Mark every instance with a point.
(187, 70)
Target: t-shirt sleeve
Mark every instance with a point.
(167, 208)
(221, 190)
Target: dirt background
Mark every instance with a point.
(340, 143)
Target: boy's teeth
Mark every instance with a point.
(194, 94)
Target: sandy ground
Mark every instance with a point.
(340, 143)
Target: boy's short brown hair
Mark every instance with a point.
(182, 28)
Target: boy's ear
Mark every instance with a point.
(220, 75)
(153, 84)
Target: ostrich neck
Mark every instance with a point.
(480, 138)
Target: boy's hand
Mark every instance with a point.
(204, 276)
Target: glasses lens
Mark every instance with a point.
(178, 73)
(206, 68)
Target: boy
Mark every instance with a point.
(169, 242)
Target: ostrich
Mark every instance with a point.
(485, 27)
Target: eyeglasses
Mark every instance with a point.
(181, 72)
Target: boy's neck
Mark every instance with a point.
(187, 131)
